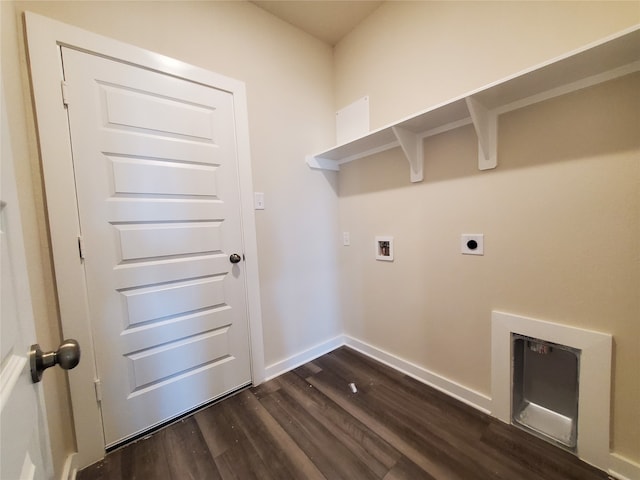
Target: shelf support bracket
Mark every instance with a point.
(411, 144)
(322, 163)
(485, 122)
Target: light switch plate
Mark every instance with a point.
(472, 244)
(258, 200)
(346, 239)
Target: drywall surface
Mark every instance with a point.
(410, 55)
(560, 215)
(290, 98)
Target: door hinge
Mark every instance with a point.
(98, 386)
(81, 247)
(65, 93)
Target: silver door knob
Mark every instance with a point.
(67, 356)
(234, 258)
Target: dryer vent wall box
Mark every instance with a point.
(472, 244)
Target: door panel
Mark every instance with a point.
(157, 187)
(122, 210)
(161, 240)
(24, 441)
(155, 364)
(129, 108)
(160, 301)
(145, 176)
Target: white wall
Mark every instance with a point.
(560, 214)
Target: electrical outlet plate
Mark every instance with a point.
(472, 244)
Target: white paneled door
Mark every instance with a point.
(25, 452)
(157, 185)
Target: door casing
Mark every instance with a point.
(44, 39)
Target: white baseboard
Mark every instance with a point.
(472, 398)
(283, 366)
(622, 468)
(70, 469)
(466, 395)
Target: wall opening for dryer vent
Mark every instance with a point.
(545, 389)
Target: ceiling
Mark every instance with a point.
(328, 20)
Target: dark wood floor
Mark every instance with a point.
(307, 424)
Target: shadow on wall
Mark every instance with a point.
(582, 124)
(299, 293)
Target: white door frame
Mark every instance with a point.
(45, 37)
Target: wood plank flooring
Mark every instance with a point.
(307, 424)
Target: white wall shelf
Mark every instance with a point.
(609, 58)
